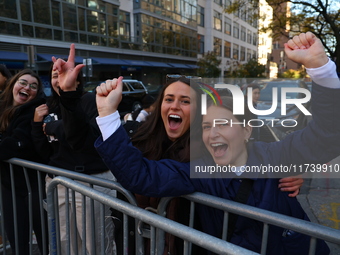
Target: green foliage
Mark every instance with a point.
(208, 66)
(295, 74)
(322, 17)
(252, 69)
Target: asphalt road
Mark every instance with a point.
(320, 198)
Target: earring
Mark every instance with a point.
(246, 140)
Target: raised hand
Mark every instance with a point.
(40, 112)
(67, 71)
(306, 49)
(109, 95)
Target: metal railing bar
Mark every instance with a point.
(201, 239)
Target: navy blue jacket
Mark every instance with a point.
(317, 143)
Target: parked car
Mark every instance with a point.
(154, 90)
(133, 93)
(294, 119)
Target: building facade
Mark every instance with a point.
(265, 41)
(278, 55)
(233, 37)
(139, 39)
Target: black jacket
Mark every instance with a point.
(75, 130)
(17, 142)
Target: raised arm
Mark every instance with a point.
(318, 142)
(306, 49)
(126, 162)
(67, 71)
(109, 95)
(78, 110)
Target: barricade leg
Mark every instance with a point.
(85, 222)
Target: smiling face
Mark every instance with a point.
(226, 143)
(25, 94)
(54, 81)
(256, 95)
(178, 101)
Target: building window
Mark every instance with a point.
(254, 56)
(43, 33)
(227, 49)
(70, 17)
(249, 38)
(25, 10)
(41, 11)
(217, 46)
(27, 31)
(217, 21)
(124, 25)
(200, 39)
(227, 26)
(248, 54)
(219, 2)
(254, 39)
(8, 9)
(9, 28)
(250, 16)
(235, 51)
(243, 54)
(236, 30)
(200, 16)
(243, 34)
(244, 13)
(276, 45)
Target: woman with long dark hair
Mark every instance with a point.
(228, 147)
(18, 101)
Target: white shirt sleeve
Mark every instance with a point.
(108, 124)
(142, 116)
(325, 75)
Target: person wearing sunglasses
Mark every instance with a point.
(18, 101)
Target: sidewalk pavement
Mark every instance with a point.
(320, 198)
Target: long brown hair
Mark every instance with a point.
(151, 137)
(7, 109)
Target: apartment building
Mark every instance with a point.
(233, 37)
(141, 39)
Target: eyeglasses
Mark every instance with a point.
(32, 86)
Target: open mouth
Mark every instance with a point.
(174, 121)
(219, 149)
(24, 95)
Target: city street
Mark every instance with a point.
(320, 197)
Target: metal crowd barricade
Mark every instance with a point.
(45, 169)
(189, 234)
(314, 230)
(5, 245)
(157, 222)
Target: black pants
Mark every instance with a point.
(22, 209)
